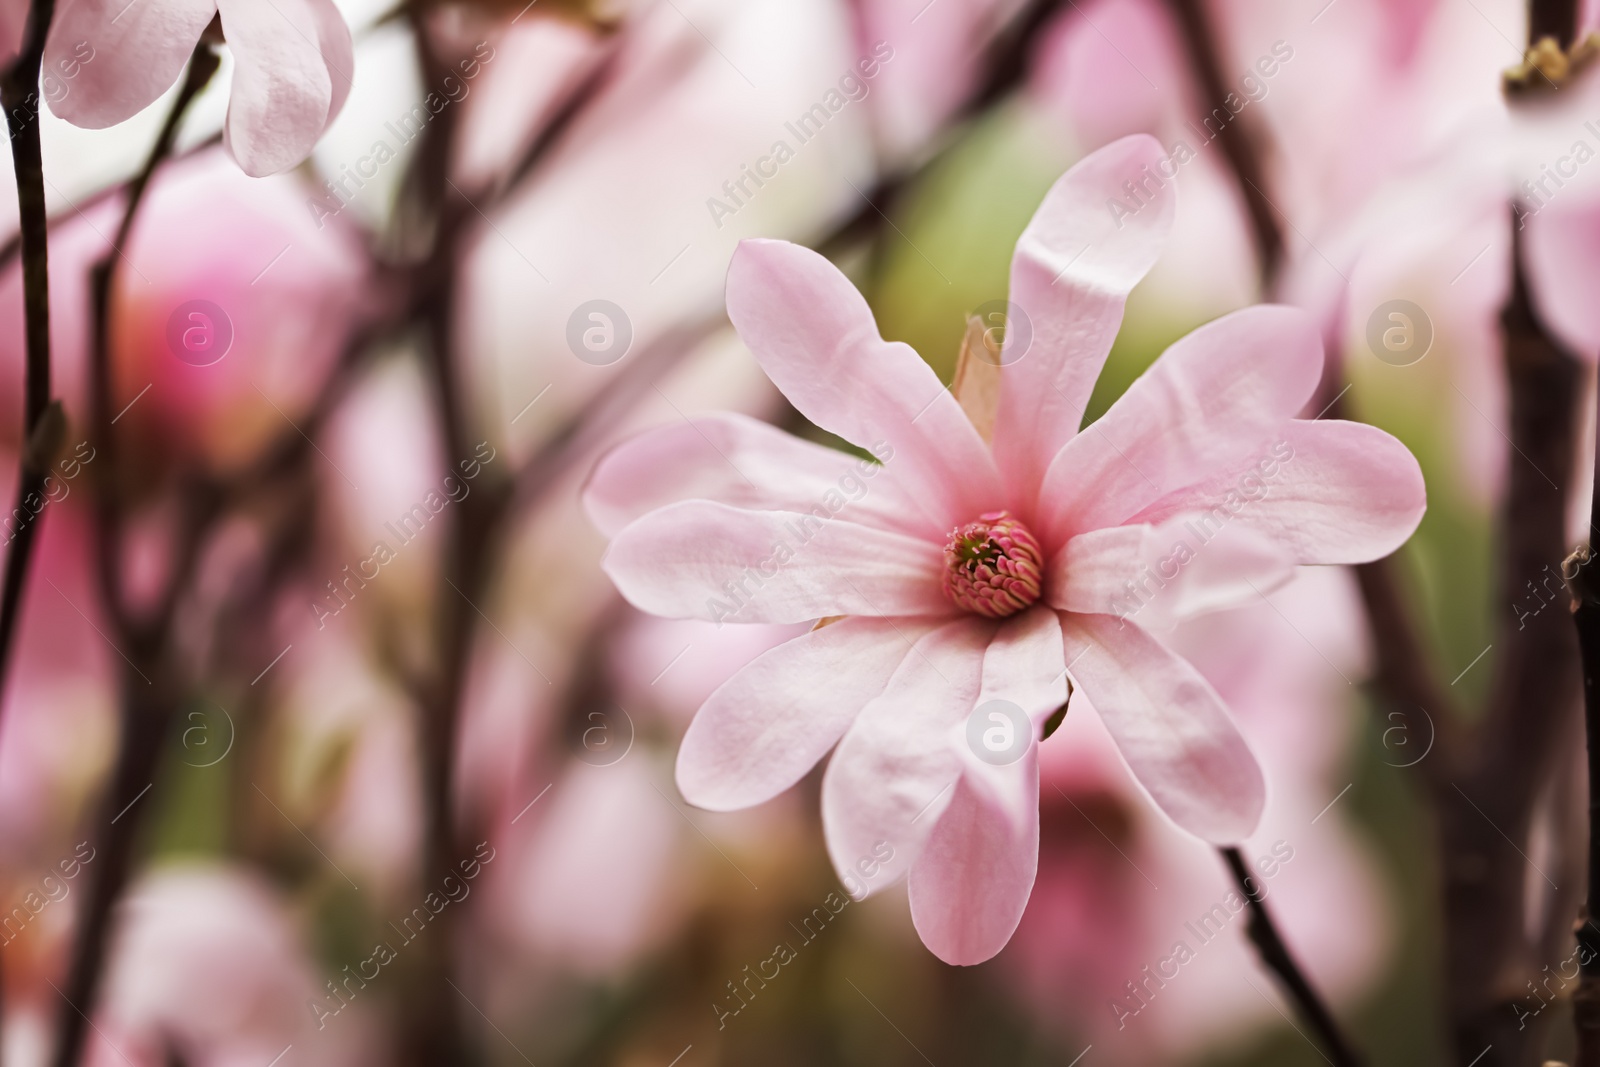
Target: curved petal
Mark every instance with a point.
(704, 560)
(742, 462)
(1330, 492)
(817, 340)
(1024, 664)
(1165, 574)
(1073, 269)
(892, 775)
(1212, 397)
(283, 86)
(971, 884)
(125, 55)
(338, 51)
(1171, 727)
(765, 727)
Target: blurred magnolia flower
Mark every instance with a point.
(293, 62)
(13, 21)
(1005, 569)
(58, 732)
(594, 882)
(231, 308)
(1119, 892)
(208, 964)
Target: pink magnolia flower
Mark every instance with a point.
(293, 61)
(971, 573)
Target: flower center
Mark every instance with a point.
(993, 567)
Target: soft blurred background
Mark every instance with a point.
(408, 369)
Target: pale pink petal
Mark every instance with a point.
(737, 460)
(894, 772)
(971, 883)
(1170, 726)
(1212, 398)
(704, 560)
(1164, 574)
(1562, 245)
(284, 86)
(1339, 492)
(816, 339)
(125, 55)
(1073, 269)
(764, 728)
(1024, 664)
(970, 886)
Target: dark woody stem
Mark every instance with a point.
(19, 94)
(20, 98)
(1275, 954)
(150, 689)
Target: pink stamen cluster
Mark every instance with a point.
(993, 567)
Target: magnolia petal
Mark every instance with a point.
(1213, 397)
(815, 336)
(1070, 277)
(1562, 242)
(1164, 574)
(1338, 492)
(704, 560)
(743, 462)
(1170, 726)
(284, 91)
(893, 773)
(971, 884)
(125, 55)
(765, 727)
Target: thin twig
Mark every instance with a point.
(1275, 954)
(149, 688)
(41, 433)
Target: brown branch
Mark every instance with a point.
(1241, 143)
(1263, 933)
(150, 686)
(1495, 788)
(41, 431)
(1553, 18)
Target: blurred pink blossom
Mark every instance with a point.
(208, 962)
